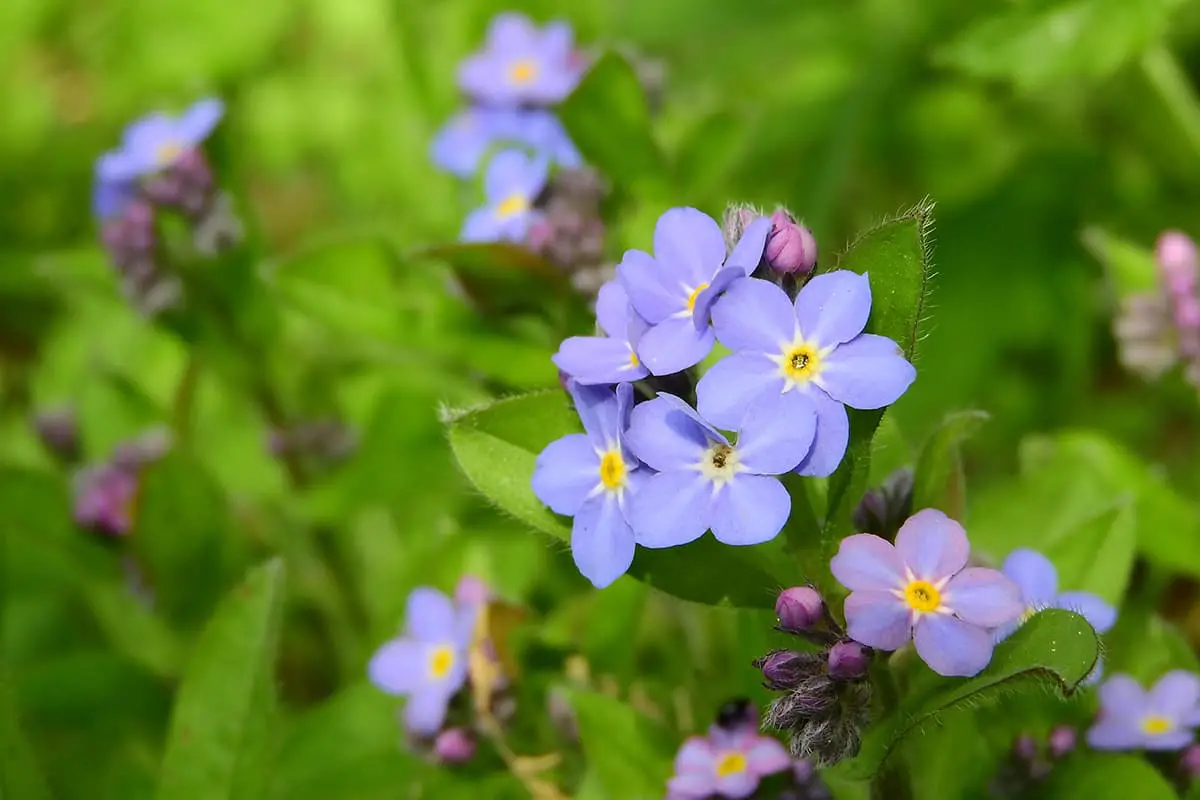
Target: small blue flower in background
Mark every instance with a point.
(705, 482)
(460, 145)
(520, 64)
(606, 359)
(592, 476)
(921, 589)
(815, 347)
(158, 140)
(1162, 719)
(511, 184)
(674, 290)
(725, 763)
(110, 197)
(428, 663)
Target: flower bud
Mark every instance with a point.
(791, 247)
(737, 219)
(785, 669)
(1061, 741)
(848, 661)
(884, 509)
(1189, 762)
(454, 746)
(471, 591)
(1025, 748)
(737, 715)
(799, 608)
(1177, 259)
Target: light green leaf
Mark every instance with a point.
(1097, 555)
(497, 446)
(1130, 268)
(220, 743)
(938, 480)
(1107, 776)
(629, 755)
(1055, 647)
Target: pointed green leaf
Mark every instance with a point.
(497, 446)
(1130, 268)
(628, 754)
(220, 743)
(1097, 555)
(938, 480)
(1107, 776)
(1055, 647)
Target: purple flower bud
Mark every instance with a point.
(884, 509)
(1025, 748)
(454, 746)
(799, 608)
(1189, 762)
(848, 661)
(1177, 259)
(791, 247)
(1061, 741)
(738, 715)
(785, 669)
(59, 431)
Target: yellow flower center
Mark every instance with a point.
(522, 72)
(922, 596)
(167, 152)
(634, 361)
(730, 764)
(612, 470)
(695, 293)
(512, 205)
(801, 363)
(440, 661)
(1153, 725)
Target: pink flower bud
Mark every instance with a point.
(1062, 741)
(1189, 762)
(471, 591)
(791, 247)
(1177, 259)
(454, 746)
(848, 661)
(799, 608)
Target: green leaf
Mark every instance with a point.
(1107, 776)
(609, 120)
(628, 754)
(503, 278)
(938, 480)
(1055, 646)
(497, 446)
(1097, 555)
(1130, 268)
(221, 735)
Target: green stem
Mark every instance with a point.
(1170, 82)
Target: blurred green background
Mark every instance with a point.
(1026, 122)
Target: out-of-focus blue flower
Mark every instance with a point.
(157, 141)
(461, 144)
(705, 481)
(674, 290)
(428, 663)
(1161, 719)
(922, 589)
(109, 197)
(512, 183)
(520, 64)
(814, 347)
(725, 763)
(606, 359)
(592, 476)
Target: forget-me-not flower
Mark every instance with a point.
(922, 589)
(725, 763)
(606, 359)
(1163, 718)
(815, 347)
(511, 184)
(428, 663)
(592, 476)
(158, 140)
(520, 64)
(674, 290)
(705, 482)
(461, 144)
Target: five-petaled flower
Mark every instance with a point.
(1161, 719)
(725, 763)
(922, 589)
(674, 290)
(460, 145)
(592, 476)
(511, 184)
(606, 359)
(157, 141)
(520, 64)
(428, 663)
(814, 348)
(704, 481)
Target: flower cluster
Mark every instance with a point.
(1030, 762)
(160, 167)
(105, 494)
(662, 473)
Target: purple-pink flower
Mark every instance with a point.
(725, 763)
(921, 589)
(104, 499)
(1131, 718)
(520, 64)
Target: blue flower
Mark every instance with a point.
(674, 289)
(592, 476)
(606, 359)
(511, 184)
(428, 663)
(814, 348)
(460, 145)
(1132, 718)
(157, 140)
(521, 65)
(705, 482)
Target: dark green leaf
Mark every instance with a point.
(629, 755)
(1107, 776)
(609, 120)
(220, 743)
(1055, 647)
(497, 446)
(938, 479)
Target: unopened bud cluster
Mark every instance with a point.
(570, 231)
(884, 509)
(790, 255)
(1031, 760)
(105, 494)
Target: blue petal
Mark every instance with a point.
(748, 252)
(983, 597)
(878, 619)
(481, 225)
(428, 615)
(689, 244)
(1115, 734)
(400, 666)
(1100, 614)
(613, 310)
(702, 308)
(750, 509)
(1033, 574)
(733, 384)
(459, 145)
(673, 345)
(777, 433)
(600, 413)
(565, 473)
(867, 372)
(833, 307)
(507, 173)
(425, 712)
(951, 647)
(597, 359)
(602, 541)
(198, 122)
(833, 435)
(670, 509)
(755, 315)
(643, 279)
(663, 437)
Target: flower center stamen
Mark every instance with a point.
(612, 470)
(731, 764)
(515, 203)
(167, 152)
(440, 661)
(801, 363)
(523, 71)
(922, 596)
(691, 305)
(634, 361)
(1154, 725)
